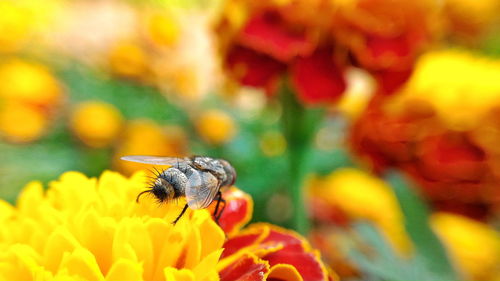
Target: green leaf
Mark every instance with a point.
(416, 212)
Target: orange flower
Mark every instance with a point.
(29, 95)
(21, 123)
(145, 137)
(215, 126)
(97, 124)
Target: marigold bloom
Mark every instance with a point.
(310, 40)
(215, 126)
(84, 229)
(128, 59)
(97, 124)
(21, 123)
(90, 229)
(29, 82)
(29, 95)
(442, 129)
(14, 26)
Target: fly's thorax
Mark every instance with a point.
(177, 180)
(229, 172)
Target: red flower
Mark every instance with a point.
(262, 251)
(270, 46)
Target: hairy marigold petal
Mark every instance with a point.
(248, 267)
(284, 272)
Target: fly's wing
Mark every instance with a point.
(201, 190)
(154, 160)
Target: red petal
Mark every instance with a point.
(451, 157)
(247, 267)
(307, 264)
(268, 33)
(238, 211)
(248, 237)
(381, 47)
(390, 81)
(295, 252)
(291, 241)
(317, 79)
(254, 69)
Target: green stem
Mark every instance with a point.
(299, 125)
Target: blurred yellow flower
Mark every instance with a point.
(128, 59)
(29, 82)
(272, 143)
(461, 87)
(144, 137)
(215, 126)
(473, 246)
(469, 18)
(162, 28)
(21, 123)
(14, 26)
(362, 196)
(95, 123)
(88, 229)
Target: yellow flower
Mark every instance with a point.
(129, 60)
(363, 196)
(21, 123)
(162, 28)
(88, 229)
(14, 26)
(29, 82)
(95, 123)
(473, 246)
(461, 87)
(468, 18)
(272, 143)
(215, 126)
(144, 137)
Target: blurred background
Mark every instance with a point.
(371, 126)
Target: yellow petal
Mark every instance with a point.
(30, 198)
(96, 234)
(173, 274)
(212, 233)
(81, 263)
(6, 210)
(124, 269)
(192, 250)
(72, 192)
(171, 250)
(59, 242)
(206, 269)
(20, 262)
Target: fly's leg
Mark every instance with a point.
(219, 200)
(180, 215)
